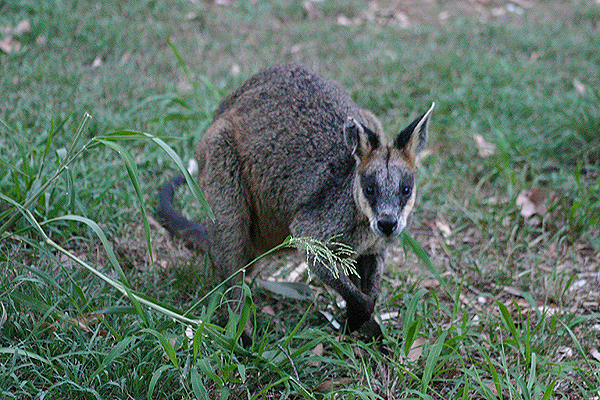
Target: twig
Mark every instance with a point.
(291, 361)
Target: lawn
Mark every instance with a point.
(493, 292)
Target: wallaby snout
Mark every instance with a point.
(387, 225)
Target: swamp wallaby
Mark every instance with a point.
(290, 153)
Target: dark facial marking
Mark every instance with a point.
(406, 187)
(369, 188)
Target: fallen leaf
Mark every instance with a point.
(316, 351)
(189, 332)
(430, 283)
(469, 303)
(485, 149)
(595, 353)
(97, 62)
(3, 317)
(566, 351)
(580, 87)
(416, 349)
(343, 20)
(524, 202)
(268, 310)
(23, 27)
(443, 226)
(184, 86)
(291, 290)
(532, 202)
(333, 383)
(389, 316)
(336, 325)
(9, 45)
(296, 48)
(512, 290)
(236, 69)
(311, 10)
(492, 388)
(41, 40)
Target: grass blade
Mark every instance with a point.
(134, 176)
(432, 361)
(112, 258)
(120, 348)
(166, 345)
(508, 322)
(421, 254)
(197, 385)
(24, 353)
(193, 185)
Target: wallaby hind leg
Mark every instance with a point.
(229, 233)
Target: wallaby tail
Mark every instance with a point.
(192, 232)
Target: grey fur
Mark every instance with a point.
(289, 152)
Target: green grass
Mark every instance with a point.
(490, 305)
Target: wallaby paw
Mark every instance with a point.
(371, 331)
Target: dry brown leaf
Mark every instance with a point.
(343, 20)
(316, 351)
(579, 87)
(86, 321)
(9, 45)
(485, 149)
(532, 202)
(595, 353)
(268, 310)
(184, 86)
(333, 383)
(430, 283)
(189, 332)
(311, 10)
(471, 304)
(492, 387)
(23, 27)
(3, 317)
(416, 349)
(512, 290)
(389, 316)
(525, 203)
(97, 62)
(443, 226)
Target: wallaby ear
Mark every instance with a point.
(412, 139)
(359, 138)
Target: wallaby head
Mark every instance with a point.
(384, 185)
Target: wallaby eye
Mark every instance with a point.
(406, 191)
(369, 190)
(369, 186)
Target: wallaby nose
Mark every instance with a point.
(387, 225)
